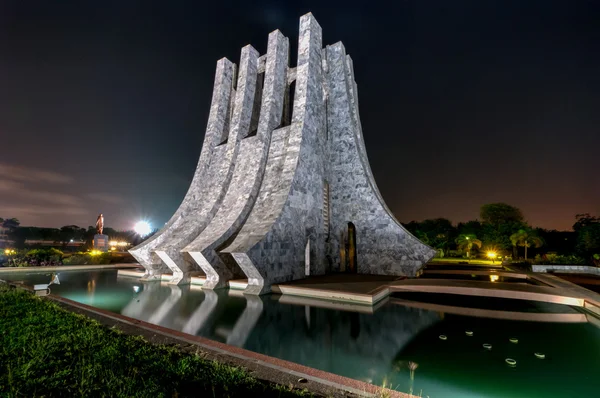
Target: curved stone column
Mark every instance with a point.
(218, 177)
(383, 246)
(270, 247)
(248, 172)
(218, 121)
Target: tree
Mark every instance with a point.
(587, 228)
(437, 233)
(500, 213)
(70, 232)
(584, 220)
(470, 228)
(561, 242)
(466, 242)
(10, 223)
(500, 221)
(526, 238)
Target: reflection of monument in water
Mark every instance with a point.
(349, 343)
(283, 187)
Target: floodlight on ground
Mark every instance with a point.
(142, 228)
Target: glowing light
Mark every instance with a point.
(136, 289)
(8, 252)
(494, 278)
(122, 243)
(142, 228)
(95, 252)
(491, 255)
(113, 243)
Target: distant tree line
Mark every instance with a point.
(61, 237)
(502, 229)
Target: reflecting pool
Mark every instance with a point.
(429, 345)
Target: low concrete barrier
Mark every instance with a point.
(68, 267)
(571, 269)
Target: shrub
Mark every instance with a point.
(556, 259)
(87, 259)
(50, 256)
(77, 259)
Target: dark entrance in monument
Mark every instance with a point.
(351, 248)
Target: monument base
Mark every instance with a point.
(101, 242)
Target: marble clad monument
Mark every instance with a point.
(283, 186)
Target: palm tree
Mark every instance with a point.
(526, 238)
(466, 242)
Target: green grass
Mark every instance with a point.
(48, 351)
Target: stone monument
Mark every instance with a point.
(283, 186)
(100, 240)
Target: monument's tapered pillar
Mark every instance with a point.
(218, 121)
(210, 194)
(271, 245)
(382, 245)
(248, 170)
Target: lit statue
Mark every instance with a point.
(100, 224)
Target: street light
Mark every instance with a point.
(492, 256)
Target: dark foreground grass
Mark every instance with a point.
(48, 351)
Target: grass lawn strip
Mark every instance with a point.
(49, 351)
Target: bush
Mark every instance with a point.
(50, 256)
(32, 258)
(454, 254)
(77, 259)
(556, 259)
(87, 259)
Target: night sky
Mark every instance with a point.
(103, 104)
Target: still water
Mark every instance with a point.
(398, 343)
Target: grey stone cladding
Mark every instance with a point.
(274, 192)
(218, 175)
(248, 172)
(217, 124)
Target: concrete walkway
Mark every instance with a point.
(370, 289)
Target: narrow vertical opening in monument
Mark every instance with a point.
(307, 258)
(227, 124)
(288, 106)
(229, 110)
(260, 82)
(326, 120)
(351, 244)
(326, 209)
